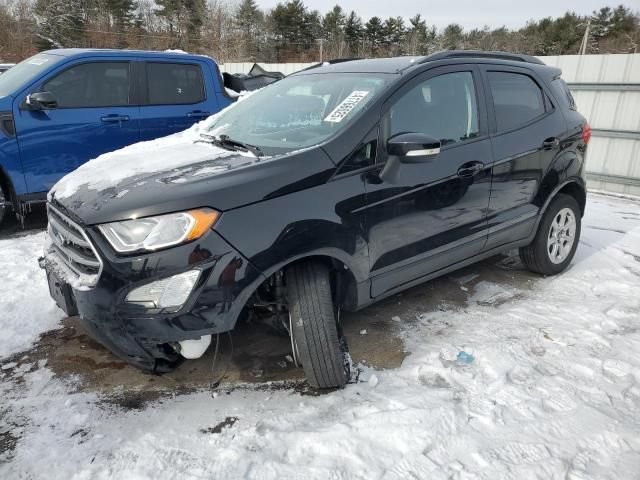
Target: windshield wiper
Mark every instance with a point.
(227, 143)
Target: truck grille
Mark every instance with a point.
(72, 246)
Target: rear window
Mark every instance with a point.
(517, 99)
(174, 84)
(562, 92)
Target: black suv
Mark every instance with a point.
(330, 189)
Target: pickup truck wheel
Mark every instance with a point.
(316, 336)
(3, 204)
(557, 238)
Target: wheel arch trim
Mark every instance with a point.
(578, 181)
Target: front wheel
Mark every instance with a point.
(315, 335)
(557, 238)
(3, 204)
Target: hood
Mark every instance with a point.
(175, 173)
(6, 103)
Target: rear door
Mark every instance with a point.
(176, 97)
(526, 131)
(433, 214)
(95, 115)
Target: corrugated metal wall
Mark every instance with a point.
(607, 91)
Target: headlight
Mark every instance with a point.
(153, 233)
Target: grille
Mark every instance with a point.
(73, 247)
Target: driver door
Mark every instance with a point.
(95, 114)
(431, 214)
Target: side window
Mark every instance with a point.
(443, 107)
(517, 99)
(174, 84)
(103, 84)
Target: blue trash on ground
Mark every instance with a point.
(464, 357)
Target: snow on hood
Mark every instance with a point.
(156, 156)
(151, 157)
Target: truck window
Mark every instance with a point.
(23, 73)
(174, 84)
(101, 84)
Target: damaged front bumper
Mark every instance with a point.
(142, 333)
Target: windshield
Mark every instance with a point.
(298, 111)
(20, 75)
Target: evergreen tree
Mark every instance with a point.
(375, 34)
(60, 23)
(121, 13)
(394, 34)
(353, 32)
(611, 24)
(333, 25)
(248, 17)
(185, 19)
(249, 20)
(293, 27)
(195, 13)
(452, 37)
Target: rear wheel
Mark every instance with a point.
(557, 238)
(315, 334)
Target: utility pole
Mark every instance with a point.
(585, 39)
(321, 42)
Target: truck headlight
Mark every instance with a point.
(170, 292)
(153, 233)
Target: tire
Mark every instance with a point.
(540, 256)
(3, 204)
(316, 336)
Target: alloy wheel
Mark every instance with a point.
(561, 236)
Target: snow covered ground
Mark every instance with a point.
(26, 309)
(548, 387)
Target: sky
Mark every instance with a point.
(468, 13)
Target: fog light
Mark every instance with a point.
(166, 293)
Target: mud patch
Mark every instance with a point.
(223, 425)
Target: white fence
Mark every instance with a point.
(607, 91)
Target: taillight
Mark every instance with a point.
(586, 133)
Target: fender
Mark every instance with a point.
(579, 181)
(11, 177)
(353, 295)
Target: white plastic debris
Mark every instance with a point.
(195, 348)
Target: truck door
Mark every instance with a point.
(176, 98)
(94, 115)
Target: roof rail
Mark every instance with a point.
(517, 57)
(328, 62)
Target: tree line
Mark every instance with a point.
(241, 31)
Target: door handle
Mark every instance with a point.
(198, 114)
(550, 143)
(115, 118)
(470, 169)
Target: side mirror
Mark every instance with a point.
(41, 101)
(413, 147)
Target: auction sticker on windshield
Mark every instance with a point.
(348, 104)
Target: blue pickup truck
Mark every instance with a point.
(61, 108)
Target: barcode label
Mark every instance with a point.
(348, 104)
